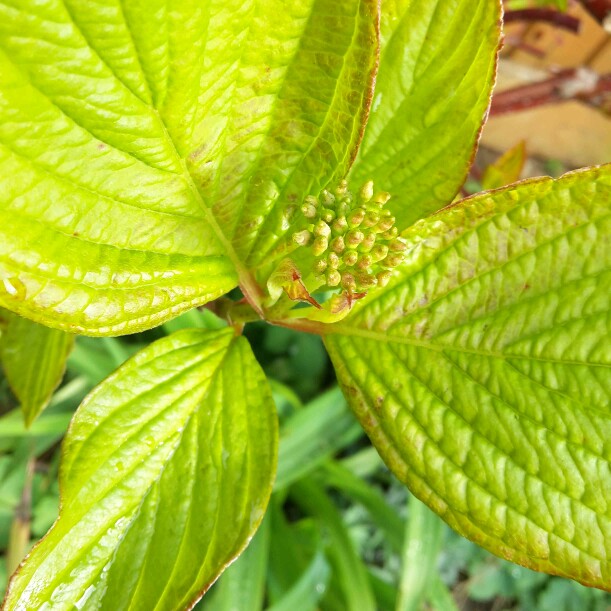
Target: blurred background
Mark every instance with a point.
(341, 533)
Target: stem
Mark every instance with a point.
(574, 83)
(599, 9)
(19, 537)
(560, 20)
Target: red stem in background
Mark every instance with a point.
(599, 9)
(574, 83)
(561, 20)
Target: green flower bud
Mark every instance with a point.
(379, 252)
(319, 245)
(338, 245)
(393, 259)
(366, 281)
(385, 223)
(366, 192)
(302, 237)
(339, 225)
(397, 246)
(320, 266)
(327, 215)
(380, 198)
(391, 234)
(327, 199)
(365, 262)
(333, 260)
(350, 258)
(348, 282)
(309, 211)
(384, 277)
(354, 237)
(342, 188)
(368, 241)
(356, 217)
(371, 218)
(322, 229)
(343, 208)
(333, 277)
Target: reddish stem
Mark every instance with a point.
(599, 9)
(561, 20)
(566, 85)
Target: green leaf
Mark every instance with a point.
(433, 87)
(291, 91)
(314, 434)
(308, 590)
(33, 358)
(138, 139)
(423, 538)
(242, 585)
(482, 372)
(102, 229)
(348, 568)
(166, 472)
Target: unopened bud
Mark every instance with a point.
(327, 215)
(356, 218)
(333, 260)
(366, 281)
(371, 218)
(319, 245)
(384, 278)
(322, 229)
(366, 192)
(391, 234)
(379, 252)
(338, 245)
(341, 188)
(397, 246)
(354, 237)
(327, 199)
(393, 259)
(308, 210)
(302, 237)
(386, 223)
(365, 262)
(368, 241)
(350, 258)
(320, 266)
(340, 225)
(348, 282)
(333, 277)
(380, 198)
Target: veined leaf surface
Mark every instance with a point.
(166, 473)
(433, 88)
(139, 139)
(33, 359)
(482, 372)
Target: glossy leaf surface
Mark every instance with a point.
(33, 359)
(127, 126)
(482, 372)
(166, 473)
(433, 88)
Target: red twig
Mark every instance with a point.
(599, 9)
(561, 20)
(575, 83)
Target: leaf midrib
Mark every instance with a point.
(344, 330)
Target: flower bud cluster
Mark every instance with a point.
(354, 239)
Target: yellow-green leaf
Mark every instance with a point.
(166, 472)
(433, 88)
(33, 359)
(482, 373)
